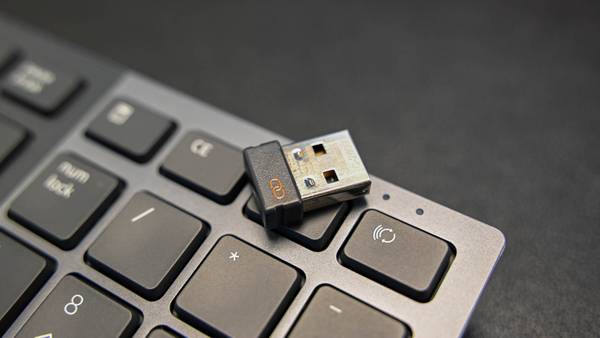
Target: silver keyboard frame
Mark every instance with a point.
(478, 246)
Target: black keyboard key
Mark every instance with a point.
(317, 228)
(332, 313)
(161, 332)
(41, 86)
(147, 244)
(11, 137)
(397, 255)
(206, 165)
(8, 53)
(65, 200)
(131, 129)
(75, 309)
(23, 273)
(238, 291)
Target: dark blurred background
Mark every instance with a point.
(490, 108)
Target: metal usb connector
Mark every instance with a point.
(327, 170)
(292, 179)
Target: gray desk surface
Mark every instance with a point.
(491, 109)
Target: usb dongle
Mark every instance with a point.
(289, 180)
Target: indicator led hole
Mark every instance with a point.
(420, 211)
(330, 176)
(386, 197)
(319, 149)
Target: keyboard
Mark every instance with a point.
(125, 212)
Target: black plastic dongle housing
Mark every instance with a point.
(275, 190)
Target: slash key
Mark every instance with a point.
(147, 244)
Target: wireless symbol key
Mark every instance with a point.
(378, 234)
(292, 179)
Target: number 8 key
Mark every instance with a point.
(76, 309)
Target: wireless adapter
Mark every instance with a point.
(292, 179)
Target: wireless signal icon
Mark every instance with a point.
(378, 234)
